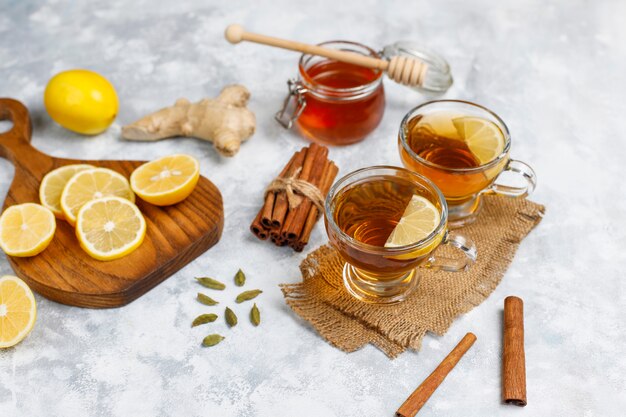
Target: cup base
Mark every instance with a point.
(373, 290)
(460, 215)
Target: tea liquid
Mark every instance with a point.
(340, 118)
(441, 138)
(368, 211)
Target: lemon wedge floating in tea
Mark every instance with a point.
(92, 184)
(483, 138)
(18, 311)
(26, 229)
(419, 220)
(53, 184)
(110, 228)
(166, 181)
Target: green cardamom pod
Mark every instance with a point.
(211, 283)
(205, 299)
(255, 315)
(230, 316)
(240, 278)
(203, 319)
(247, 295)
(212, 340)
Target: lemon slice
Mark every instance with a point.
(18, 311)
(53, 184)
(484, 138)
(166, 181)
(110, 227)
(26, 229)
(92, 184)
(419, 220)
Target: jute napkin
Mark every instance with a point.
(440, 297)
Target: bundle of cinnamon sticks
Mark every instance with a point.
(287, 222)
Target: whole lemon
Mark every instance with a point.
(82, 101)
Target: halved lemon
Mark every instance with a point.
(53, 184)
(26, 229)
(92, 184)
(419, 220)
(110, 228)
(166, 181)
(18, 311)
(483, 137)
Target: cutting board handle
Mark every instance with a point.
(16, 141)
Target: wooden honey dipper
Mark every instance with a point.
(401, 69)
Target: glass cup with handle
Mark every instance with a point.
(385, 222)
(463, 148)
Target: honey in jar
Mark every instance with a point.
(335, 103)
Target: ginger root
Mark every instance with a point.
(225, 121)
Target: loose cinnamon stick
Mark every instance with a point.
(513, 358)
(330, 172)
(281, 204)
(294, 222)
(419, 397)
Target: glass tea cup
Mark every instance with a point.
(463, 148)
(362, 210)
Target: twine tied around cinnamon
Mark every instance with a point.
(296, 190)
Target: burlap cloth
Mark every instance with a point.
(440, 297)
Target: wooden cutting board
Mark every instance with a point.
(64, 272)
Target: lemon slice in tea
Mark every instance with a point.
(18, 311)
(483, 138)
(419, 220)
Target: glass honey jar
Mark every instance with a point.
(336, 103)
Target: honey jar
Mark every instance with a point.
(336, 103)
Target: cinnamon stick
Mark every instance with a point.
(305, 174)
(285, 225)
(268, 206)
(257, 228)
(419, 397)
(312, 171)
(330, 172)
(281, 204)
(513, 357)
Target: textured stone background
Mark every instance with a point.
(553, 70)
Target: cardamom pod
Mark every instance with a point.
(212, 340)
(255, 315)
(247, 295)
(203, 319)
(205, 299)
(211, 283)
(231, 318)
(240, 278)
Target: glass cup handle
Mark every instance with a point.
(296, 90)
(464, 244)
(519, 168)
